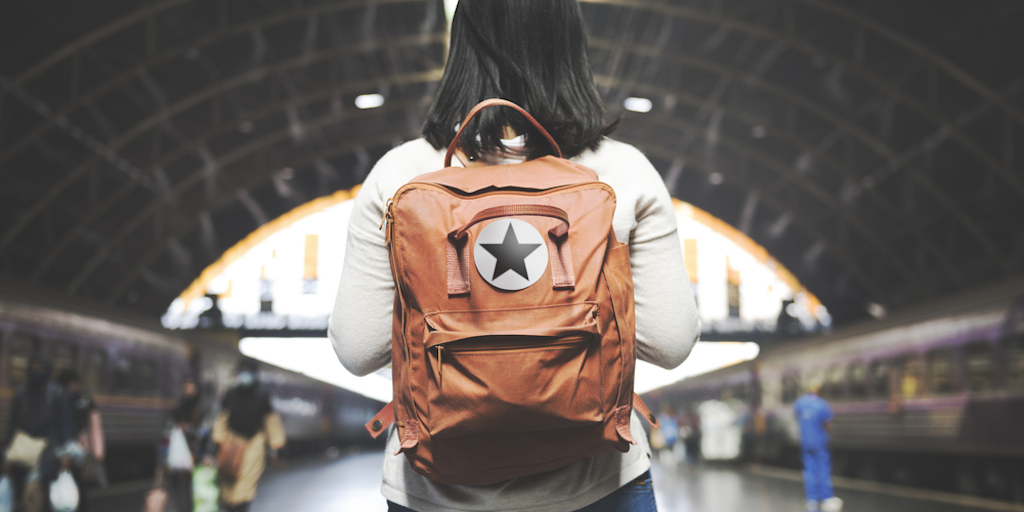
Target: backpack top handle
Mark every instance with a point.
(489, 103)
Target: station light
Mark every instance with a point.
(641, 105)
(315, 358)
(365, 101)
(706, 356)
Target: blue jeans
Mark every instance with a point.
(636, 496)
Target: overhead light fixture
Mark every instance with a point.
(366, 101)
(638, 104)
(876, 310)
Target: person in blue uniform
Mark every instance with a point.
(815, 418)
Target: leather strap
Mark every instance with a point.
(385, 418)
(490, 103)
(622, 418)
(381, 421)
(457, 248)
(645, 413)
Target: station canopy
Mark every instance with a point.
(870, 147)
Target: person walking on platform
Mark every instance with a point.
(88, 470)
(245, 427)
(815, 418)
(187, 417)
(40, 437)
(534, 54)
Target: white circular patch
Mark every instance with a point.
(510, 254)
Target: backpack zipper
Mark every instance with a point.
(386, 223)
(509, 348)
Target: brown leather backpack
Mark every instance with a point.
(513, 344)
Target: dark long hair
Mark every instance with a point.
(531, 52)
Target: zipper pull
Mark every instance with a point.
(386, 222)
(440, 367)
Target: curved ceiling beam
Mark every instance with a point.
(941, 123)
(183, 104)
(184, 150)
(193, 179)
(802, 146)
(94, 36)
(779, 207)
(877, 146)
(261, 179)
(156, 8)
(178, 51)
(786, 172)
(721, 21)
(951, 69)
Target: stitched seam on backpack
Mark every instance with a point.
(524, 308)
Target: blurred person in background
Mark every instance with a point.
(39, 437)
(691, 432)
(188, 416)
(88, 470)
(815, 419)
(670, 431)
(245, 427)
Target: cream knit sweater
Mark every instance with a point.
(667, 324)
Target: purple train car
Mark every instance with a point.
(931, 397)
(134, 372)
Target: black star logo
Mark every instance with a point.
(511, 254)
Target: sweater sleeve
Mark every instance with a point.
(360, 325)
(667, 322)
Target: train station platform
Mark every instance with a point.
(351, 482)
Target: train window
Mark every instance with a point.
(1014, 356)
(858, 380)
(790, 388)
(978, 363)
(147, 377)
(123, 370)
(940, 372)
(22, 346)
(65, 357)
(911, 376)
(94, 377)
(833, 387)
(878, 375)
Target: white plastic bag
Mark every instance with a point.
(64, 493)
(6, 495)
(179, 456)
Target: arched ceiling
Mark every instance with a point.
(869, 146)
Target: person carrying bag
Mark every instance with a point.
(513, 289)
(40, 439)
(246, 426)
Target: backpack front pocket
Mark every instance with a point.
(543, 376)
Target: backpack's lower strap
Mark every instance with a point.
(645, 413)
(622, 418)
(385, 418)
(381, 421)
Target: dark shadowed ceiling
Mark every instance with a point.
(870, 146)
